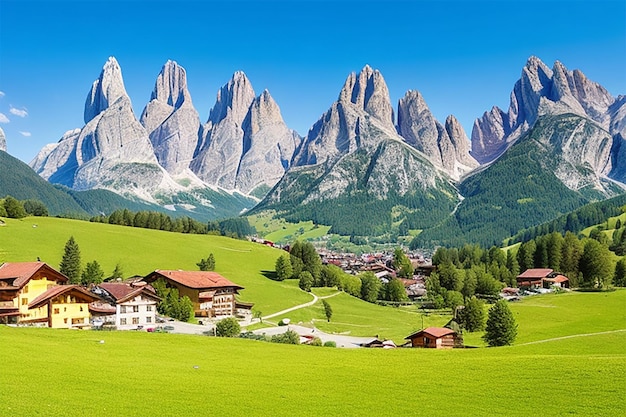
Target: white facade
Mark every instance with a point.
(139, 311)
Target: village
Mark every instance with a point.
(36, 294)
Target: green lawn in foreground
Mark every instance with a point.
(141, 251)
(69, 373)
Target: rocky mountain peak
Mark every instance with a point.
(171, 85)
(3, 141)
(171, 120)
(107, 89)
(235, 98)
(369, 92)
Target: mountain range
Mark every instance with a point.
(360, 168)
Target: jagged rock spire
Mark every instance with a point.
(171, 120)
(107, 89)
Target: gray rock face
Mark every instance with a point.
(540, 91)
(111, 151)
(268, 146)
(617, 112)
(3, 141)
(171, 120)
(360, 117)
(218, 155)
(446, 147)
(245, 145)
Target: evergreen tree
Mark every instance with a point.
(328, 310)
(512, 264)
(595, 265)
(283, 267)
(207, 264)
(35, 208)
(92, 274)
(526, 255)
(501, 329)
(618, 223)
(70, 263)
(118, 273)
(331, 275)
(619, 277)
(472, 317)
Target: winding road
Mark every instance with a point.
(310, 303)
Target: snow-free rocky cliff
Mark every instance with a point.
(245, 151)
(3, 141)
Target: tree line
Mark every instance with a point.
(238, 227)
(17, 209)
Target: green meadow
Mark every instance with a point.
(140, 251)
(70, 373)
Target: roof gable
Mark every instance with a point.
(435, 332)
(194, 279)
(536, 273)
(22, 272)
(58, 290)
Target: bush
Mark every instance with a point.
(330, 343)
(316, 341)
(289, 338)
(228, 327)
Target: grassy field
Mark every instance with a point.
(140, 251)
(70, 373)
(281, 231)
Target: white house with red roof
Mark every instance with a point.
(212, 295)
(130, 306)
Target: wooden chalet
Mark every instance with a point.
(20, 284)
(435, 337)
(541, 278)
(212, 295)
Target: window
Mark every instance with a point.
(24, 301)
(135, 309)
(81, 308)
(65, 320)
(135, 320)
(123, 310)
(148, 319)
(56, 311)
(148, 308)
(26, 289)
(122, 321)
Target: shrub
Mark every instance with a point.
(228, 327)
(330, 343)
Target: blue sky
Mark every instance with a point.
(463, 56)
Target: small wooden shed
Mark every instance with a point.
(435, 337)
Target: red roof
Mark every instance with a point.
(436, 332)
(122, 292)
(22, 272)
(536, 273)
(59, 290)
(201, 280)
(559, 278)
(101, 307)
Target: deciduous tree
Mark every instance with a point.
(228, 327)
(370, 286)
(328, 310)
(472, 316)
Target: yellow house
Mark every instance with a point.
(66, 306)
(23, 285)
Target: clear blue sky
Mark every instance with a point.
(464, 56)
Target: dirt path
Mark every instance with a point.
(570, 337)
(310, 303)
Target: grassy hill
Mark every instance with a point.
(140, 251)
(65, 373)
